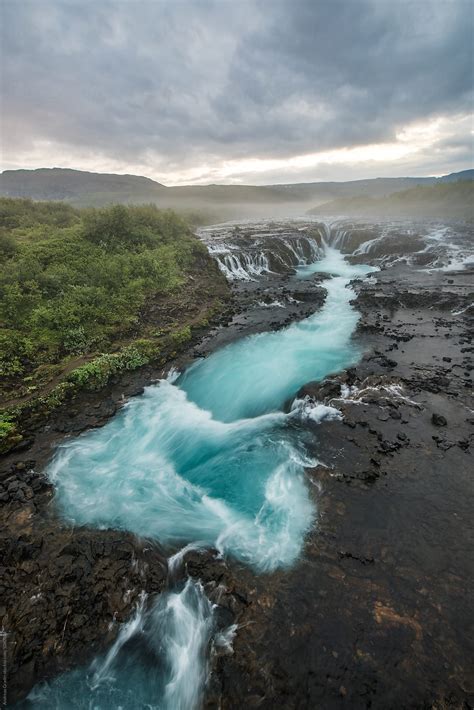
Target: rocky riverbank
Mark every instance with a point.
(377, 613)
(65, 590)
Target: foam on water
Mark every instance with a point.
(315, 411)
(335, 264)
(164, 468)
(447, 254)
(249, 261)
(256, 374)
(158, 661)
(210, 457)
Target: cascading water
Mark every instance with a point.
(159, 660)
(212, 458)
(283, 252)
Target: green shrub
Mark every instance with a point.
(96, 374)
(7, 427)
(77, 282)
(148, 348)
(73, 282)
(181, 336)
(9, 434)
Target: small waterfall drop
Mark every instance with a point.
(158, 660)
(248, 261)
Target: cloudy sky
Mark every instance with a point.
(238, 91)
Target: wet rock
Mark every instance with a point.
(350, 423)
(70, 591)
(442, 443)
(320, 391)
(384, 361)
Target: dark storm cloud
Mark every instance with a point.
(173, 83)
(362, 68)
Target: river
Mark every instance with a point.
(209, 458)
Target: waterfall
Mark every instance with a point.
(260, 251)
(248, 262)
(243, 266)
(158, 660)
(181, 624)
(338, 240)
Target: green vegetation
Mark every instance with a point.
(452, 200)
(87, 294)
(181, 336)
(203, 204)
(95, 374)
(71, 284)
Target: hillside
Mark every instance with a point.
(86, 294)
(375, 187)
(85, 189)
(456, 177)
(78, 187)
(444, 199)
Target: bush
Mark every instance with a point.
(75, 281)
(7, 427)
(181, 336)
(96, 374)
(9, 434)
(8, 246)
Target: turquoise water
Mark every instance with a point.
(159, 661)
(211, 457)
(208, 458)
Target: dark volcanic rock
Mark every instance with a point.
(376, 613)
(321, 391)
(64, 590)
(438, 420)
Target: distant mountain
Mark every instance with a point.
(446, 198)
(93, 189)
(77, 186)
(373, 187)
(456, 177)
(82, 188)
